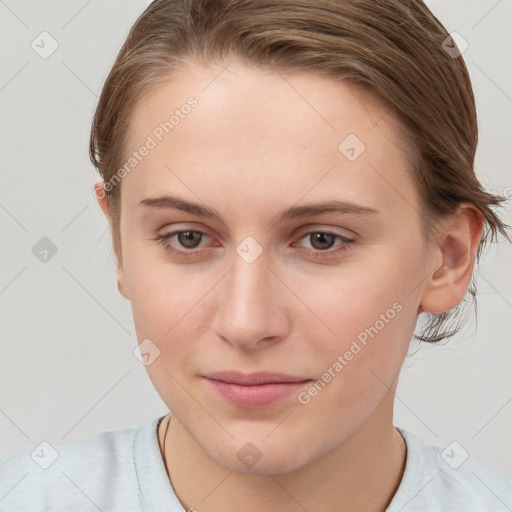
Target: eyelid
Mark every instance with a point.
(174, 229)
(323, 228)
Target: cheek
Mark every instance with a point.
(170, 308)
(369, 291)
(368, 314)
(166, 310)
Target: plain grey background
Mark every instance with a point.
(67, 336)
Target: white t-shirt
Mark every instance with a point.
(122, 470)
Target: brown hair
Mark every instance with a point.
(395, 48)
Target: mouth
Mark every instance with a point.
(255, 390)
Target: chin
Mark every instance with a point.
(271, 464)
(264, 456)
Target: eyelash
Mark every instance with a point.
(164, 241)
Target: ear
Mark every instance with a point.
(102, 198)
(454, 256)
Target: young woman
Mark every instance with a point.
(289, 185)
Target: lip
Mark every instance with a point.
(255, 390)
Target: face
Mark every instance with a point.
(326, 296)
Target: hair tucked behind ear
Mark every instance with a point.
(392, 47)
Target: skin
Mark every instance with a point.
(259, 142)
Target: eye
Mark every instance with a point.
(188, 239)
(322, 241)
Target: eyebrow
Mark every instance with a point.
(295, 212)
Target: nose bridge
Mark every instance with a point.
(248, 310)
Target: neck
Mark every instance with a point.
(362, 473)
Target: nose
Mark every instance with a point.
(251, 305)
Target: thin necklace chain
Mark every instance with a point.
(163, 448)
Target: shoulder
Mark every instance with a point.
(95, 473)
(448, 479)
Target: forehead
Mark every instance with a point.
(262, 136)
(256, 98)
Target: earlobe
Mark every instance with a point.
(121, 283)
(446, 286)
